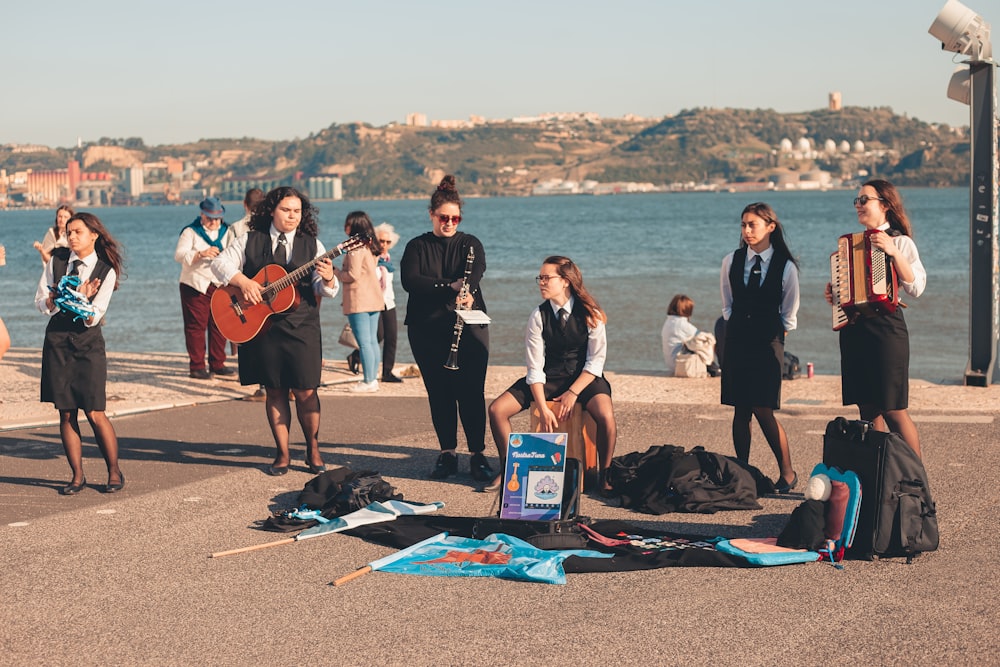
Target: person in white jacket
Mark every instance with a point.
(677, 329)
(200, 243)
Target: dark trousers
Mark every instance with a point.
(387, 332)
(196, 308)
(454, 394)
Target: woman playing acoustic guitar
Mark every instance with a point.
(287, 354)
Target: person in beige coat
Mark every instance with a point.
(363, 297)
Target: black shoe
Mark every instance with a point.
(201, 374)
(354, 362)
(225, 371)
(316, 470)
(446, 466)
(480, 468)
(115, 488)
(391, 378)
(784, 487)
(73, 489)
(276, 471)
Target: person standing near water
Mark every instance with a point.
(74, 362)
(760, 301)
(434, 267)
(875, 351)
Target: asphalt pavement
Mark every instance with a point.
(127, 578)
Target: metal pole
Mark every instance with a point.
(984, 314)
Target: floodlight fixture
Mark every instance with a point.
(960, 86)
(963, 31)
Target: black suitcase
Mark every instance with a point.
(897, 516)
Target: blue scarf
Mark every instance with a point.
(387, 264)
(199, 229)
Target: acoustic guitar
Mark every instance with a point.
(239, 320)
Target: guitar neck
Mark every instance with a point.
(296, 275)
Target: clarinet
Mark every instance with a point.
(452, 363)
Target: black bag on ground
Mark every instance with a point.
(791, 368)
(561, 533)
(897, 516)
(334, 493)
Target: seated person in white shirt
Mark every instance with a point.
(566, 349)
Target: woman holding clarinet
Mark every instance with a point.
(441, 270)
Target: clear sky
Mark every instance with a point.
(173, 71)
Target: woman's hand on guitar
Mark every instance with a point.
(249, 288)
(324, 268)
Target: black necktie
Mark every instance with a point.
(754, 281)
(281, 253)
(563, 317)
(75, 270)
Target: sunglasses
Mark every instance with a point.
(864, 199)
(445, 219)
(384, 241)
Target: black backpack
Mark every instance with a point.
(898, 516)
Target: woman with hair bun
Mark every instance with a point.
(433, 271)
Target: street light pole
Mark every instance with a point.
(984, 250)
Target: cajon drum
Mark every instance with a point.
(581, 430)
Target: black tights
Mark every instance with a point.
(773, 433)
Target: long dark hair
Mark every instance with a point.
(895, 214)
(777, 238)
(263, 213)
(446, 193)
(571, 274)
(107, 248)
(359, 224)
(55, 222)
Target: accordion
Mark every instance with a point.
(863, 280)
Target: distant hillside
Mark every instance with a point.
(695, 146)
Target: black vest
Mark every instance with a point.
(258, 255)
(565, 350)
(757, 313)
(63, 321)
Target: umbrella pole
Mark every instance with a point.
(220, 554)
(361, 571)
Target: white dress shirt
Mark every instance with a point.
(230, 261)
(597, 345)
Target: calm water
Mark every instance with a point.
(636, 252)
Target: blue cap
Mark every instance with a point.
(213, 208)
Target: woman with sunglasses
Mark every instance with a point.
(875, 351)
(434, 267)
(566, 348)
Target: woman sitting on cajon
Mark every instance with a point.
(566, 348)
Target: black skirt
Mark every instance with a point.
(284, 356)
(875, 362)
(751, 372)
(74, 369)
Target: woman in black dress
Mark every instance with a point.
(760, 301)
(288, 354)
(875, 351)
(74, 362)
(432, 271)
